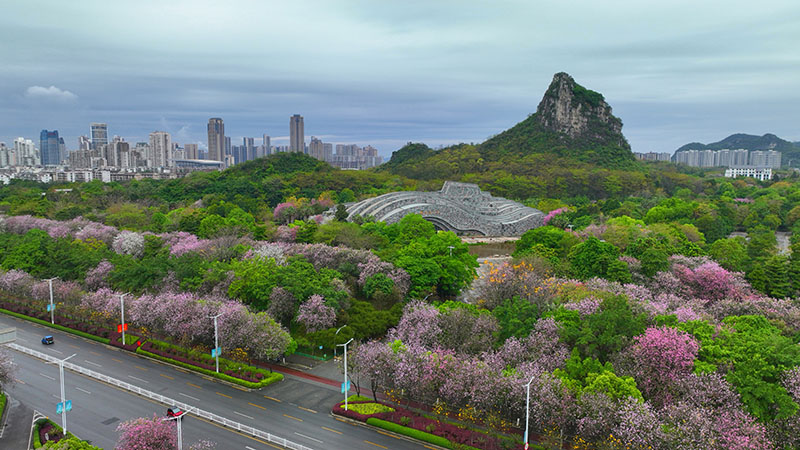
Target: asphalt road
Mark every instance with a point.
(295, 409)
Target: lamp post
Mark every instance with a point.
(527, 408)
(344, 385)
(451, 250)
(216, 351)
(122, 314)
(334, 339)
(52, 306)
(178, 419)
(63, 397)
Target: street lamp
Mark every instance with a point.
(178, 419)
(345, 386)
(451, 250)
(63, 403)
(122, 315)
(527, 408)
(215, 353)
(334, 339)
(52, 306)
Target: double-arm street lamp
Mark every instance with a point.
(334, 339)
(345, 385)
(63, 404)
(52, 306)
(178, 419)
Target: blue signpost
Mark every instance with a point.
(60, 406)
(345, 387)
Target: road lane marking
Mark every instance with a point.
(376, 445)
(432, 448)
(117, 360)
(387, 434)
(92, 363)
(83, 390)
(167, 376)
(74, 346)
(19, 381)
(140, 367)
(257, 406)
(244, 415)
(248, 447)
(272, 398)
(139, 379)
(308, 437)
(306, 409)
(189, 396)
(92, 352)
(292, 417)
(224, 395)
(57, 351)
(241, 388)
(193, 385)
(331, 430)
(47, 376)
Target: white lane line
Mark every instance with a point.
(244, 415)
(92, 363)
(83, 390)
(308, 437)
(248, 447)
(57, 351)
(186, 395)
(47, 376)
(138, 379)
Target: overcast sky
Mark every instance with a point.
(387, 72)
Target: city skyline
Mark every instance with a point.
(432, 72)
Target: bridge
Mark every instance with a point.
(459, 207)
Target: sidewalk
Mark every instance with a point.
(17, 425)
(328, 372)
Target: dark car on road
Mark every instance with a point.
(175, 412)
(47, 340)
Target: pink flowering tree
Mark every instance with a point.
(129, 243)
(97, 277)
(7, 368)
(315, 315)
(658, 359)
(153, 434)
(419, 326)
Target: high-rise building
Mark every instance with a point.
(249, 152)
(191, 151)
(50, 148)
(26, 153)
(297, 137)
(216, 139)
(84, 143)
(99, 134)
(227, 145)
(316, 149)
(160, 149)
(267, 145)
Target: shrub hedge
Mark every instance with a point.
(56, 326)
(370, 408)
(269, 378)
(2, 404)
(410, 432)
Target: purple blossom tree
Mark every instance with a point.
(97, 277)
(315, 315)
(7, 368)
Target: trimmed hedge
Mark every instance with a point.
(2, 404)
(271, 378)
(56, 326)
(370, 408)
(410, 432)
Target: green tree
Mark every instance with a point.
(777, 277)
(730, 253)
(592, 258)
(516, 318)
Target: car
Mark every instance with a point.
(175, 412)
(47, 340)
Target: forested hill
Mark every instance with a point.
(573, 128)
(746, 141)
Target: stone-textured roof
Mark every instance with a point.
(459, 207)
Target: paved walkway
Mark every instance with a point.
(17, 425)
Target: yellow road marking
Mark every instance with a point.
(376, 445)
(387, 434)
(194, 385)
(180, 370)
(331, 430)
(166, 376)
(117, 360)
(90, 351)
(257, 406)
(432, 448)
(306, 409)
(272, 398)
(344, 421)
(224, 395)
(292, 417)
(240, 433)
(19, 381)
(75, 346)
(140, 367)
(240, 388)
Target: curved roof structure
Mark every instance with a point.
(459, 207)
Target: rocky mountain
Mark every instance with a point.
(746, 141)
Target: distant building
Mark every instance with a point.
(216, 139)
(160, 149)
(84, 143)
(99, 134)
(759, 173)
(729, 158)
(50, 148)
(765, 158)
(191, 151)
(653, 156)
(266, 145)
(249, 148)
(316, 149)
(297, 136)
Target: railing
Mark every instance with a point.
(164, 400)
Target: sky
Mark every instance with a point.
(389, 72)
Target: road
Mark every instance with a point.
(295, 409)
